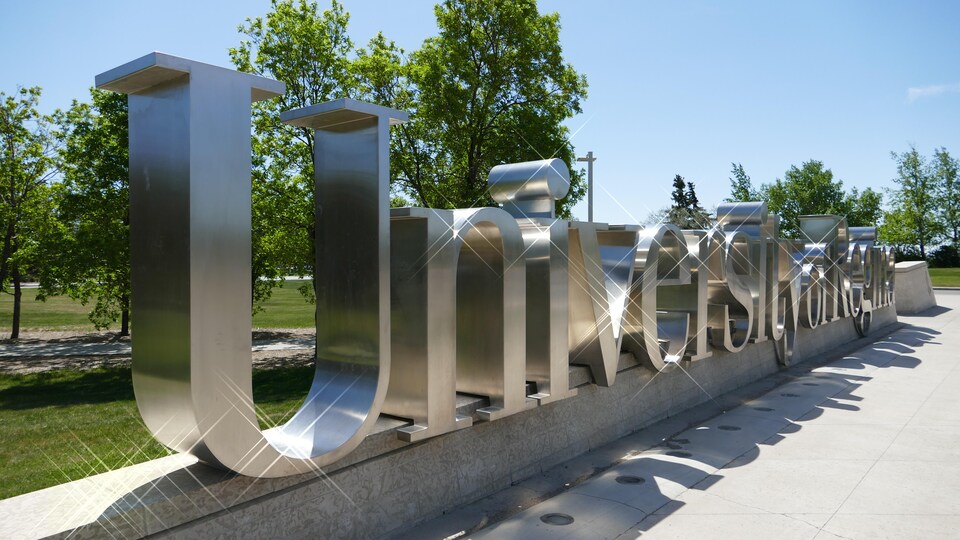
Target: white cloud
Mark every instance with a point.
(915, 93)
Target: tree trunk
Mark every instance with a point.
(6, 251)
(17, 297)
(125, 320)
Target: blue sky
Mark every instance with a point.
(675, 87)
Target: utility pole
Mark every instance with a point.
(589, 158)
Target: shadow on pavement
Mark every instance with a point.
(839, 392)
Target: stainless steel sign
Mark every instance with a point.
(416, 304)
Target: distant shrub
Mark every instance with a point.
(945, 256)
(907, 253)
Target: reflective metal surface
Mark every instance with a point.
(190, 253)
(750, 218)
(546, 248)
(651, 333)
(423, 328)
(828, 235)
(601, 275)
(491, 310)
(789, 277)
(691, 298)
(729, 298)
(190, 232)
(190, 257)
(862, 276)
(479, 301)
(853, 265)
(529, 189)
(887, 276)
(811, 261)
(352, 278)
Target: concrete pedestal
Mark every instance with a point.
(914, 291)
(387, 486)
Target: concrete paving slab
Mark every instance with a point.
(593, 518)
(836, 442)
(725, 438)
(939, 411)
(866, 446)
(645, 483)
(847, 412)
(925, 443)
(685, 527)
(893, 526)
(791, 486)
(824, 535)
(908, 488)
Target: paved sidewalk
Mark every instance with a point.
(867, 446)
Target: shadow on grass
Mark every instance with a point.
(65, 388)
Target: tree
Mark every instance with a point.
(86, 254)
(948, 185)
(28, 150)
(896, 232)
(915, 201)
(491, 88)
(741, 187)
(686, 211)
(309, 51)
(679, 194)
(382, 75)
(864, 209)
(693, 202)
(811, 190)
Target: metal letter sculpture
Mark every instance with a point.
(493, 302)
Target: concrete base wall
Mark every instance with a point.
(913, 289)
(387, 486)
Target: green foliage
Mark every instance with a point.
(27, 148)
(948, 184)
(896, 231)
(679, 193)
(945, 256)
(864, 208)
(309, 51)
(382, 75)
(686, 211)
(913, 218)
(811, 190)
(492, 88)
(741, 187)
(85, 254)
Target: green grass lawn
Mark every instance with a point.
(945, 277)
(285, 309)
(57, 313)
(64, 425)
